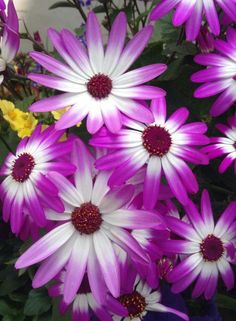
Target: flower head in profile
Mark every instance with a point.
(191, 14)
(164, 145)
(9, 37)
(94, 220)
(84, 305)
(207, 248)
(95, 82)
(139, 298)
(220, 75)
(27, 185)
(224, 145)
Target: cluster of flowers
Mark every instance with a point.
(112, 228)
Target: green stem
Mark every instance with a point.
(6, 144)
(80, 9)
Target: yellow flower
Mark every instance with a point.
(58, 113)
(22, 123)
(28, 125)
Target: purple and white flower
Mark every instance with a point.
(224, 145)
(10, 39)
(85, 305)
(27, 186)
(220, 75)
(94, 220)
(191, 14)
(96, 82)
(207, 249)
(164, 145)
(139, 298)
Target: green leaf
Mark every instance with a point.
(37, 303)
(173, 70)
(226, 302)
(25, 103)
(62, 4)
(5, 309)
(99, 9)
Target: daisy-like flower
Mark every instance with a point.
(191, 13)
(207, 248)
(220, 75)
(95, 219)
(224, 145)
(139, 298)
(164, 145)
(27, 184)
(85, 305)
(96, 82)
(10, 39)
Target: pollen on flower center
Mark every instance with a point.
(212, 248)
(156, 140)
(134, 302)
(86, 218)
(99, 86)
(23, 167)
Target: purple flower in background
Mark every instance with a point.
(10, 40)
(94, 221)
(191, 13)
(220, 75)
(224, 145)
(205, 40)
(207, 248)
(95, 82)
(85, 2)
(27, 184)
(2, 5)
(164, 145)
(139, 299)
(85, 305)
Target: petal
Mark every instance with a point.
(108, 262)
(46, 246)
(206, 211)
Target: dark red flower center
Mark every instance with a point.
(22, 167)
(156, 140)
(99, 86)
(212, 248)
(134, 302)
(86, 218)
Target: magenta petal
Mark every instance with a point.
(162, 9)
(183, 12)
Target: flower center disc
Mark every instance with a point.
(156, 140)
(86, 218)
(212, 248)
(22, 167)
(99, 86)
(134, 302)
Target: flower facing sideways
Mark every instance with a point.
(224, 145)
(95, 219)
(96, 84)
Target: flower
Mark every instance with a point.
(191, 13)
(57, 114)
(208, 248)
(28, 125)
(95, 82)
(27, 184)
(139, 298)
(2, 5)
(10, 40)
(94, 220)
(219, 76)
(224, 145)
(163, 144)
(205, 40)
(85, 305)
(22, 123)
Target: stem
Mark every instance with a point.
(81, 11)
(12, 90)
(107, 14)
(6, 145)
